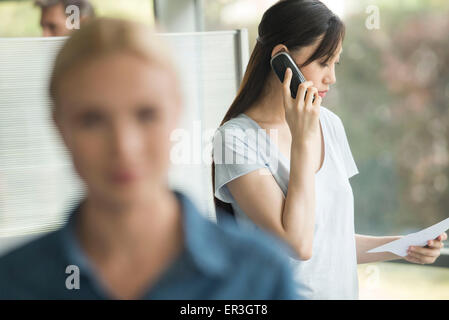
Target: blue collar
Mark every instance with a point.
(203, 245)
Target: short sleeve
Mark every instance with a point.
(348, 160)
(235, 153)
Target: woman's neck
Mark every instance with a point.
(106, 230)
(269, 109)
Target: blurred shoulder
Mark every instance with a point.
(261, 246)
(43, 246)
(26, 268)
(33, 257)
(258, 262)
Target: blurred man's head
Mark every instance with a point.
(54, 17)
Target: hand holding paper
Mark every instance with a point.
(420, 238)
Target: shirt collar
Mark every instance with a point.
(202, 243)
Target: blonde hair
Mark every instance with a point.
(104, 36)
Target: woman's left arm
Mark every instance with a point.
(421, 255)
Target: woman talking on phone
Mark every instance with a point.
(301, 192)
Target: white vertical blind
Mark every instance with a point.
(37, 181)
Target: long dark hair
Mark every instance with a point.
(296, 24)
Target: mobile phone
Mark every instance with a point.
(279, 63)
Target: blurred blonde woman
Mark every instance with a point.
(116, 100)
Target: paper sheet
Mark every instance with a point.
(419, 238)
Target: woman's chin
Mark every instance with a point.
(131, 192)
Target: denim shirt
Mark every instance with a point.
(216, 262)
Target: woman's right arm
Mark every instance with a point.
(292, 218)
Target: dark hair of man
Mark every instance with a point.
(86, 8)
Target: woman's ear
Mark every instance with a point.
(55, 118)
(278, 48)
(57, 123)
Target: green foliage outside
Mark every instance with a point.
(393, 96)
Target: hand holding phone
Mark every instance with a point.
(279, 63)
(303, 121)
